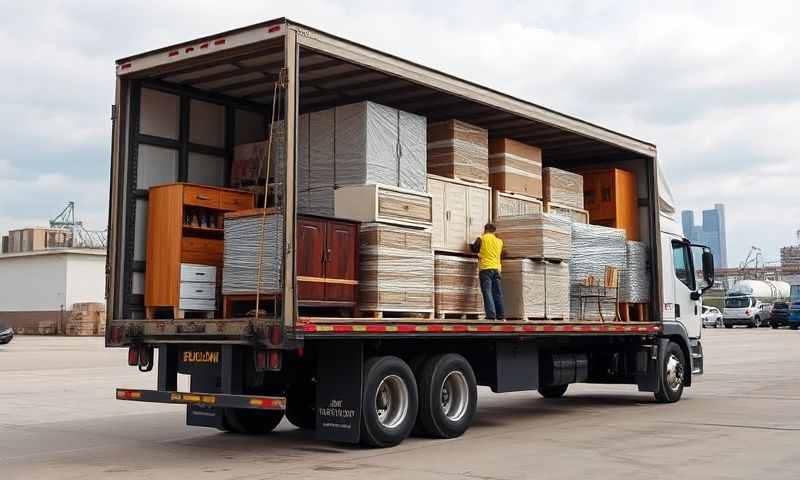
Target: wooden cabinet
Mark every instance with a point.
(459, 212)
(185, 245)
(611, 198)
(327, 261)
(506, 204)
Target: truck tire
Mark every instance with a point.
(448, 396)
(251, 421)
(301, 407)
(672, 374)
(389, 402)
(553, 391)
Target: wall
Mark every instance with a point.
(33, 283)
(85, 279)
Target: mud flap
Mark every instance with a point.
(648, 360)
(204, 365)
(339, 388)
(517, 367)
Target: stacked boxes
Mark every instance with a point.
(536, 236)
(456, 285)
(396, 271)
(458, 150)
(515, 167)
(535, 289)
(593, 249)
(563, 188)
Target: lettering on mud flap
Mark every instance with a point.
(336, 416)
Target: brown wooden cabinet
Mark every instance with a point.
(185, 245)
(327, 262)
(610, 196)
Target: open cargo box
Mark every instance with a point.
(181, 110)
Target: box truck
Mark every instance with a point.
(179, 112)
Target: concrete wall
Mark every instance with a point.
(33, 283)
(86, 279)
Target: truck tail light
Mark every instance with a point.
(261, 361)
(133, 356)
(116, 334)
(274, 360)
(748, 312)
(268, 360)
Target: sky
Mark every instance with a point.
(715, 85)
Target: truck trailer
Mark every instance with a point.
(179, 112)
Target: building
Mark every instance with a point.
(39, 288)
(711, 233)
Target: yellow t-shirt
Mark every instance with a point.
(489, 255)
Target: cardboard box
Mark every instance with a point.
(515, 167)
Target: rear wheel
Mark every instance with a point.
(672, 375)
(389, 402)
(553, 391)
(448, 395)
(250, 421)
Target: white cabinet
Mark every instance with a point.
(513, 204)
(459, 212)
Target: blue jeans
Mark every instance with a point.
(492, 291)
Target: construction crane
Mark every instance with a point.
(77, 235)
(751, 264)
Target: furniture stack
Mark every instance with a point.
(456, 286)
(563, 194)
(505, 204)
(634, 283)
(541, 235)
(458, 150)
(595, 249)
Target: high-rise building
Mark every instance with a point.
(711, 233)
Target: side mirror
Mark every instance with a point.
(708, 268)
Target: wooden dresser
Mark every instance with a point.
(185, 245)
(611, 198)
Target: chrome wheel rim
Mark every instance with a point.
(674, 373)
(391, 401)
(454, 396)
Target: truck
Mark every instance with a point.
(749, 302)
(786, 312)
(178, 113)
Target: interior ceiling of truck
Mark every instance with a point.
(326, 82)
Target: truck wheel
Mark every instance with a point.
(448, 396)
(553, 391)
(301, 408)
(728, 325)
(389, 402)
(673, 368)
(250, 421)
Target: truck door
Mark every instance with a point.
(687, 309)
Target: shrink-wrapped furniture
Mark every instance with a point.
(634, 282)
(458, 150)
(396, 269)
(610, 196)
(383, 203)
(534, 289)
(506, 204)
(515, 167)
(457, 289)
(562, 187)
(594, 249)
(244, 242)
(535, 236)
(460, 210)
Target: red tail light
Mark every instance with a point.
(274, 360)
(261, 361)
(116, 334)
(747, 312)
(133, 356)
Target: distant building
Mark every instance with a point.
(711, 233)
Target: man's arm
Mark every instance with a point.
(476, 245)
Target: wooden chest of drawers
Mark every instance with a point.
(383, 203)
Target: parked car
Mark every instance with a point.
(746, 310)
(780, 315)
(6, 333)
(712, 317)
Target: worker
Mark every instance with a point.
(489, 249)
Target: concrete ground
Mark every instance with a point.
(59, 419)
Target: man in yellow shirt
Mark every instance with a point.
(489, 249)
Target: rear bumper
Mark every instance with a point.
(738, 321)
(206, 399)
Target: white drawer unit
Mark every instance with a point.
(383, 204)
(197, 304)
(198, 273)
(197, 290)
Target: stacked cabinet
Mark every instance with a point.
(185, 240)
(459, 212)
(610, 196)
(327, 262)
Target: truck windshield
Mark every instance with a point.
(737, 302)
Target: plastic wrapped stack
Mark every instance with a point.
(456, 285)
(458, 150)
(562, 187)
(536, 236)
(515, 167)
(634, 281)
(593, 249)
(396, 271)
(535, 289)
(242, 247)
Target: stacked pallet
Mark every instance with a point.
(515, 167)
(594, 248)
(458, 150)
(246, 234)
(396, 270)
(535, 236)
(534, 289)
(456, 286)
(86, 319)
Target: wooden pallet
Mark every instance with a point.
(443, 315)
(633, 312)
(380, 314)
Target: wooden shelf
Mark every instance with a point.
(191, 228)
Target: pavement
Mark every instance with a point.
(741, 420)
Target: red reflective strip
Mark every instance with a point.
(406, 328)
(220, 41)
(125, 66)
(173, 53)
(189, 49)
(273, 29)
(435, 328)
(376, 328)
(460, 328)
(342, 328)
(205, 45)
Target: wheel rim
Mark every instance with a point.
(391, 401)
(674, 373)
(454, 396)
